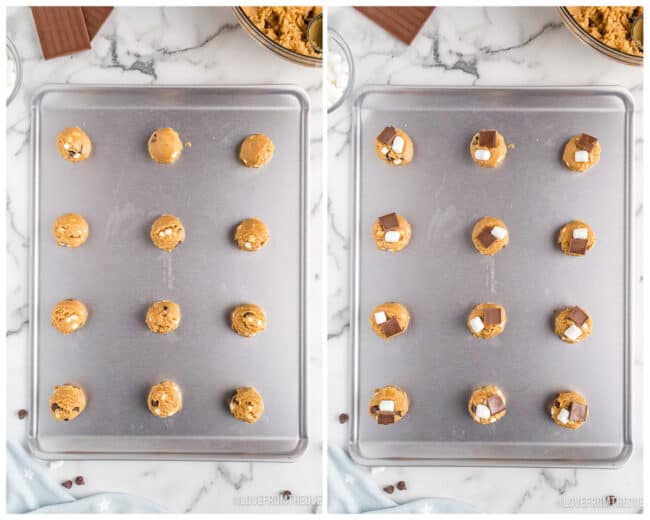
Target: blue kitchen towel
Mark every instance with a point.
(351, 490)
(31, 489)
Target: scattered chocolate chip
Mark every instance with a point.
(485, 237)
(388, 222)
(154, 403)
(286, 494)
(492, 316)
(586, 142)
(79, 481)
(556, 404)
(487, 138)
(55, 407)
(391, 327)
(611, 499)
(495, 404)
(387, 135)
(374, 409)
(76, 409)
(578, 412)
(67, 484)
(343, 418)
(578, 246)
(385, 418)
(22, 413)
(389, 489)
(578, 316)
(401, 485)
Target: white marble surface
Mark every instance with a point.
(471, 46)
(161, 46)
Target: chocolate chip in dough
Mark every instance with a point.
(401, 485)
(578, 316)
(486, 237)
(586, 142)
(389, 222)
(22, 414)
(79, 481)
(387, 135)
(487, 138)
(389, 489)
(343, 418)
(67, 484)
(578, 246)
(391, 327)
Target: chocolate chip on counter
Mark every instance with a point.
(389, 489)
(343, 418)
(79, 481)
(22, 413)
(401, 485)
(67, 484)
(611, 500)
(286, 494)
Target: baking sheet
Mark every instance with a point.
(440, 276)
(118, 273)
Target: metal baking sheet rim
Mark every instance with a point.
(354, 448)
(303, 440)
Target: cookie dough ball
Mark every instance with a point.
(70, 230)
(487, 320)
(163, 317)
(246, 404)
(394, 146)
(69, 316)
(389, 405)
(165, 399)
(391, 232)
(490, 235)
(251, 234)
(256, 150)
(572, 324)
(73, 144)
(569, 410)
(248, 320)
(487, 405)
(67, 402)
(488, 148)
(576, 238)
(167, 232)
(390, 319)
(165, 146)
(581, 152)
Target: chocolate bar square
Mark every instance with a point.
(487, 138)
(388, 222)
(492, 317)
(486, 237)
(578, 316)
(495, 404)
(385, 418)
(387, 135)
(586, 142)
(578, 412)
(578, 246)
(391, 327)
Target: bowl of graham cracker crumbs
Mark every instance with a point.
(608, 29)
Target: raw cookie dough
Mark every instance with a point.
(488, 148)
(490, 235)
(251, 234)
(165, 399)
(569, 410)
(70, 230)
(286, 25)
(246, 404)
(576, 238)
(67, 402)
(394, 146)
(588, 152)
(167, 232)
(389, 405)
(390, 319)
(391, 232)
(163, 317)
(69, 316)
(74, 144)
(611, 25)
(248, 320)
(165, 146)
(487, 320)
(573, 324)
(487, 405)
(256, 150)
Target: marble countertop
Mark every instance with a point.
(160, 46)
(473, 46)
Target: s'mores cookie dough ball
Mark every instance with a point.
(246, 404)
(581, 152)
(394, 146)
(572, 324)
(67, 402)
(165, 399)
(251, 234)
(73, 144)
(490, 235)
(165, 146)
(569, 410)
(487, 404)
(576, 238)
(487, 320)
(391, 232)
(390, 319)
(163, 317)
(167, 232)
(69, 316)
(70, 230)
(256, 150)
(389, 405)
(248, 320)
(488, 148)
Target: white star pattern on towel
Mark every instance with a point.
(29, 474)
(349, 479)
(104, 505)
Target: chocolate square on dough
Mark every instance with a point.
(486, 237)
(391, 327)
(578, 316)
(387, 135)
(487, 138)
(388, 222)
(385, 418)
(586, 142)
(578, 412)
(492, 316)
(578, 246)
(495, 404)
